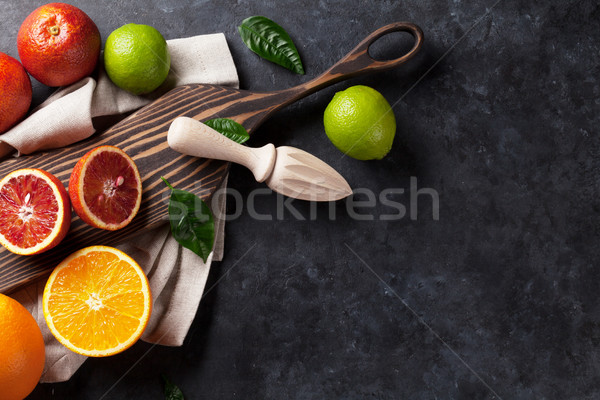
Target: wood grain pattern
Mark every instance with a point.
(143, 136)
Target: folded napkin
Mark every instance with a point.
(177, 276)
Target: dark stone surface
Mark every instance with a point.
(496, 299)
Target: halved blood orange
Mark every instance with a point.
(35, 213)
(105, 188)
(97, 301)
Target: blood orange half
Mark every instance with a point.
(105, 188)
(35, 214)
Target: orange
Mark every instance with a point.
(97, 301)
(35, 213)
(106, 188)
(15, 92)
(59, 44)
(22, 352)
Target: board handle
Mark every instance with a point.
(357, 62)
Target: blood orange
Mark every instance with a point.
(59, 44)
(35, 214)
(15, 92)
(106, 188)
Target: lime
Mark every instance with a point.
(360, 122)
(136, 58)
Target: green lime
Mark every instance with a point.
(360, 122)
(136, 58)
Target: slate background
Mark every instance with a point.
(498, 298)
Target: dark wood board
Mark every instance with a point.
(143, 136)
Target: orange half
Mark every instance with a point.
(97, 301)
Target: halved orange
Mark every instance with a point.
(97, 301)
(35, 213)
(105, 188)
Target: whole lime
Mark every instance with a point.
(360, 122)
(136, 58)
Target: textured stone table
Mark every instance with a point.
(495, 297)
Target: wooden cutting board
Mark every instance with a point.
(143, 134)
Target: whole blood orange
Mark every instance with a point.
(15, 92)
(35, 214)
(58, 44)
(105, 188)
(97, 301)
(22, 352)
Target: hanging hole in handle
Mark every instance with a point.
(391, 46)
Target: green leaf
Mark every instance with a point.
(229, 128)
(172, 392)
(271, 42)
(192, 223)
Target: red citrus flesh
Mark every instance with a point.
(59, 44)
(15, 92)
(106, 188)
(35, 214)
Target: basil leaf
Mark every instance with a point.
(229, 128)
(192, 223)
(271, 42)
(172, 392)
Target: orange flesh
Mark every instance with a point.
(28, 210)
(110, 187)
(97, 300)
